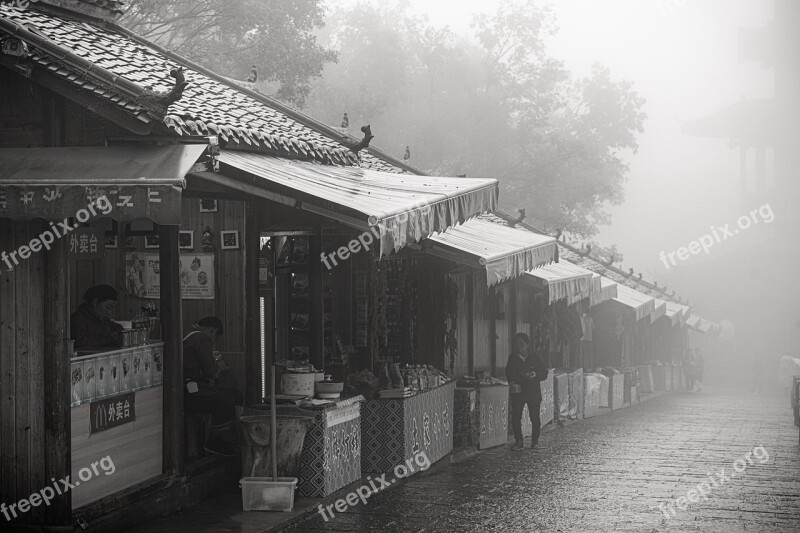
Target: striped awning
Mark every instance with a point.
(639, 303)
(707, 327)
(402, 208)
(608, 290)
(677, 313)
(659, 310)
(564, 281)
(487, 242)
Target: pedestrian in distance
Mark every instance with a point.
(700, 366)
(689, 369)
(756, 376)
(525, 372)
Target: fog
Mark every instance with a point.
(683, 58)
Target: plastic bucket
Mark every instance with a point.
(263, 494)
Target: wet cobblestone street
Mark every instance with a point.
(610, 474)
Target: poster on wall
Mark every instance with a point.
(142, 276)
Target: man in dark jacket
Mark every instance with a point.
(526, 371)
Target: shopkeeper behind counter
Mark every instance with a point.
(91, 326)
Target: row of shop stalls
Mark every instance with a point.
(309, 252)
(446, 288)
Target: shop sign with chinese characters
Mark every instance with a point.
(86, 243)
(112, 412)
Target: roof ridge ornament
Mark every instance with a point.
(363, 143)
(514, 221)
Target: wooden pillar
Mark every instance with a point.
(470, 300)
(493, 330)
(317, 301)
(252, 328)
(511, 289)
(171, 331)
(57, 421)
(53, 119)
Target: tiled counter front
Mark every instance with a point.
(659, 378)
(466, 418)
(481, 416)
(492, 403)
(677, 378)
(617, 391)
(592, 388)
(332, 449)
(646, 382)
(394, 430)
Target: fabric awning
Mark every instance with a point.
(706, 326)
(608, 290)
(55, 183)
(483, 242)
(563, 281)
(641, 304)
(677, 313)
(693, 321)
(659, 310)
(404, 208)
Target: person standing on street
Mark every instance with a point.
(525, 371)
(700, 364)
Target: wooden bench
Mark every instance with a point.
(198, 428)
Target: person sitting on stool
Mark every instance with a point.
(203, 393)
(526, 370)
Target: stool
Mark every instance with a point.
(198, 428)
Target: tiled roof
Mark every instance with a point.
(128, 65)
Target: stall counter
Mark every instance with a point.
(398, 429)
(332, 448)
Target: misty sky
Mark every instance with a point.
(682, 57)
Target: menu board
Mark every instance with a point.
(143, 279)
(121, 371)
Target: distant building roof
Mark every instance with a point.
(746, 120)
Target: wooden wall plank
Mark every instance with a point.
(461, 366)
(134, 448)
(22, 392)
(36, 362)
(57, 424)
(8, 362)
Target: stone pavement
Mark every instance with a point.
(609, 474)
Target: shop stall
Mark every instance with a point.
(620, 326)
(122, 405)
